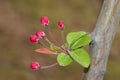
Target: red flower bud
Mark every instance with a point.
(34, 38)
(44, 20)
(34, 65)
(61, 24)
(40, 34)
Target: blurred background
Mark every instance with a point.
(20, 18)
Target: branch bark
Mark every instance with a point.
(103, 35)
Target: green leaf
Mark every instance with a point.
(64, 59)
(81, 56)
(52, 47)
(73, 36)
(81, 42)
(64, 45)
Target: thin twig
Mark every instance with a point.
(45, 67)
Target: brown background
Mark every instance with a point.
(20, 18)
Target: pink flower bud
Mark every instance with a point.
(34, 38)
(34, 65)
(44, 20)
(40, 34)
(61, 24)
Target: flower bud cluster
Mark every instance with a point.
(35, 38)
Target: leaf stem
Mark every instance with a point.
(51, 35)
(43, 44)
(49, 66)
(63, 38)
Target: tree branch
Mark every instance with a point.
(103, 35)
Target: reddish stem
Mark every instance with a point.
(45, 67)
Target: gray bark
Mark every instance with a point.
(103, 35)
